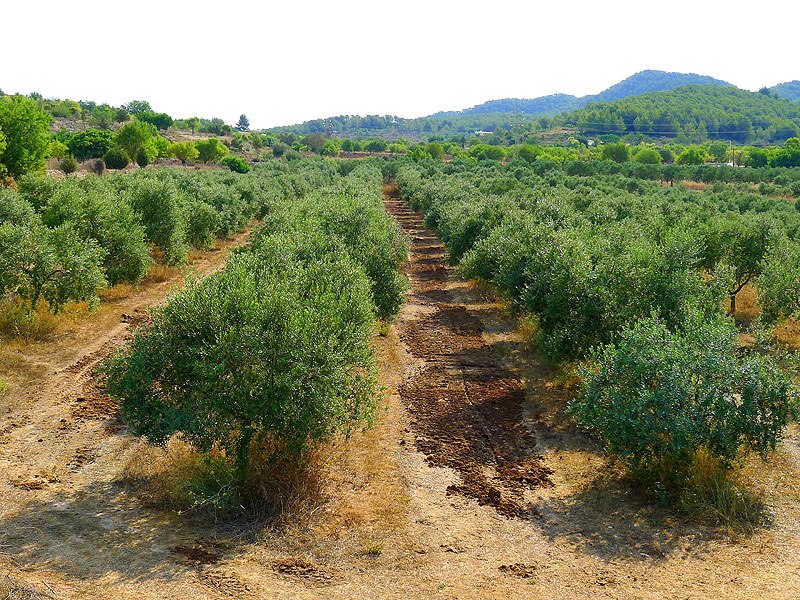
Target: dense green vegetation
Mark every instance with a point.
(694, 113)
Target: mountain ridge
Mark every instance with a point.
(643, 82)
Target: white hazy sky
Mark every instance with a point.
(285, 62)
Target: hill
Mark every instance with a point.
(649, 81)
(642, 82)
(694, 113)
(789, 90)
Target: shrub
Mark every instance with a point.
(160, 206)
(116, 158)
(658, 397)
(142, 159)
(211, 150)
(68, 164)
(236, 164)
(92, 143)
(57, 150)
(98, 215)
(202, 224)
(14, 208)
(272, 353)
(37, 189)
(779, 282)
(183, 151)
(54, 264)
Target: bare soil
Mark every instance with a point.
(472, 484)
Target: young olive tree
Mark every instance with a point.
(657, 397)
(274, 351)
(54, 264)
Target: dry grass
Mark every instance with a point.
(16, 322)
(182, 479)
(720, 497)
(159, 273)
(11, 589)
(117, 293)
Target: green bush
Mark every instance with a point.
(116, 158)
(56, 265)
(97, 214)
(236, 164)
(271, 355)
(92, 143)
(68, 164)
(37, 189)
(658, 397)
(160, 206)
(779, 282)
(142, 158)
(211, 150)
(202, 224)
(14, 208)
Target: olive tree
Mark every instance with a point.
(54, 264)
(779, 281)
(656, 397)
(274, 351)
(26, 129)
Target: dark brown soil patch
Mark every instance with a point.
(465, 406)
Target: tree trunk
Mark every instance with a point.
(733, 304)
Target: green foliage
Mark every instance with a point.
(137, 107)
(739, 244)
(658, 397)
(57, 149)
(159, 204)
(211, 150)
(136, 137)
(96, 214)
(616, 152)
(694, 113)
(116, 158)
(779, 281)
(25, 128)
(272, 353)
(37, 189)
(157, 120)
(92, 143)
(243, 124)
(203, 222)
(14, 208)
(236, 164)
(52, 264)
(183, 151)
(142, 158)
(693, 155)
(353, 216)
(647, 156)
(487, 152)
(68, 164)
(436, 150)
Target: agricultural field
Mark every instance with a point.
(398, 378)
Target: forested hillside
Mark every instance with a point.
(789, 90)
(696, 113)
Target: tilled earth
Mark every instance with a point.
(465, 406)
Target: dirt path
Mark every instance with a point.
(466, 406)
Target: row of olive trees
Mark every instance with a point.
(632, 278)
(272, 355)
(62, 241)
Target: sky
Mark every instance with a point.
(285, 62)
